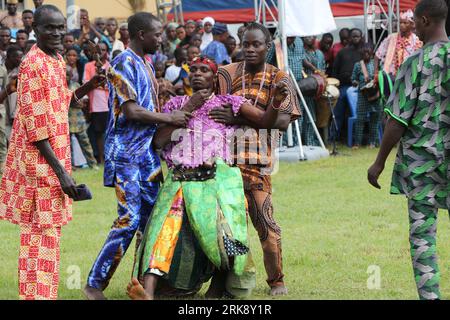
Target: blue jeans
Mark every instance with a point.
(135, 204)
(339, 113)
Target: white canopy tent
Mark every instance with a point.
(298, 19)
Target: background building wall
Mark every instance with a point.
(119, 9)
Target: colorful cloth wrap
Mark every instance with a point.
(216, 212)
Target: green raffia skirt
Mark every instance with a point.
(197, 227)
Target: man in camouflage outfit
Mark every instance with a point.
(419, 111)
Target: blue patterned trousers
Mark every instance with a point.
(135, 204)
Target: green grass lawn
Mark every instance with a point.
(334, 227)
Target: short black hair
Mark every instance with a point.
(180, 26)
(103, 42)
(72, 48)
(367, 46)
(40, 14)
(116, 53)
(178, 52)
(257, 26)
(192, 46)
(437, 10)
(4, 28)
(27, 11)
(12, 50)
(328, 35)
(22, 31)
(356, 29)
(140, 21)
(344, 30)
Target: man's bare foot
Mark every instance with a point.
(278, 291)
(137, 292)
(93, 294)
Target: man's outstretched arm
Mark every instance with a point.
(394, 131)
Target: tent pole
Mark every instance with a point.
(282, 33)
(366, 13)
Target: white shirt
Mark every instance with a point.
(118, 45)
(172, 73)
(32, 36)
(207, 38)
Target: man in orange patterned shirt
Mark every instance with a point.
(36, 191)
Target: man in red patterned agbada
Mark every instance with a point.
(36, 191)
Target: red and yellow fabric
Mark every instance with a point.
(164, 248)
(30, 192)
(39, 260)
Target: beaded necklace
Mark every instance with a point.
(263, 80)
